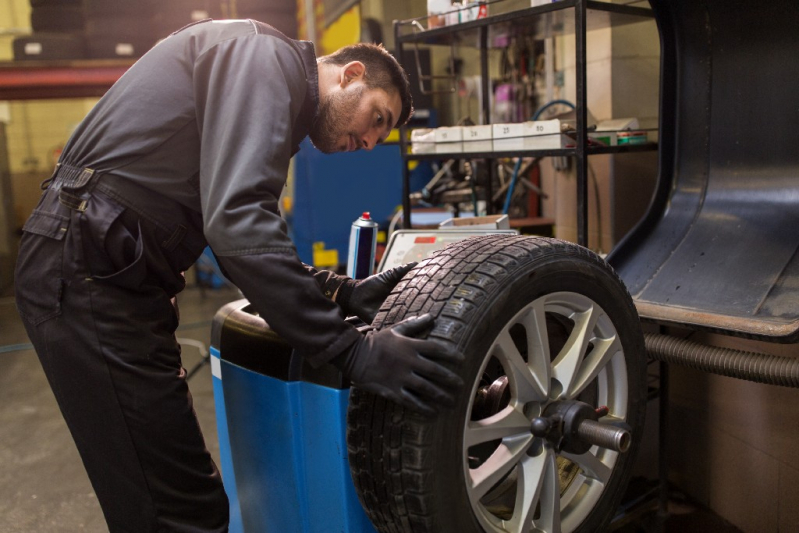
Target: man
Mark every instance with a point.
(191, 147)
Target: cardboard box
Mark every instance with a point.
(484, 222)
(423, 141)
(449, 148)
(531, 135)
(608, 138)
(552, 141)
(449, 134)
(633, 137)
(477, 138)
(449, 140)
(618, 124)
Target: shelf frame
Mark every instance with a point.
(448, 35)
(37, 80)
(612, 15)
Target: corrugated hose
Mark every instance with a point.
(751, 366)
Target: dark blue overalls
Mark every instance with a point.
(96, 274)
(192, 144)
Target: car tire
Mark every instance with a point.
(517, 307)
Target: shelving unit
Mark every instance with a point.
(34, 80)
(565, 17)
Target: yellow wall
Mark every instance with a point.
(344, 31)
(36, 128)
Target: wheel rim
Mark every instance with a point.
(561, 346)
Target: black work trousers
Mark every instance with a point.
(94, 286)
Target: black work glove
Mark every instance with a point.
(393, 364)
(363, 298)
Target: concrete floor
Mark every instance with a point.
(43, 486)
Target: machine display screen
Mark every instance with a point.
(414, 245)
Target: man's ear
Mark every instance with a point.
(352, 71)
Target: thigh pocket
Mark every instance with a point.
(39, 273)
(114, 243)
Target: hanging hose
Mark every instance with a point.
(751, 366)
(546, 106)
(512, 186)
(515, 176)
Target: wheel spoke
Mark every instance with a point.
(567, 364)
(592, 467)
(506, 423)
(504, 458)
(538, 357)
(549, 499)
(529, 483)
(603, 352)
(526, 387)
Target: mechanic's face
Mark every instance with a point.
(354, 117)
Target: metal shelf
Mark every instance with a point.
(555, 152)
(540, 22)
(33, 80)
(622, 149)
(491, 155)
(565, 17)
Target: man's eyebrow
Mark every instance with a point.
(390, 120)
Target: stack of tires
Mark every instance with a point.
(125, 29)
(119, 29)
(281, 14)
(57, 32)
(175, 14)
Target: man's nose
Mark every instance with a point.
(369, 140)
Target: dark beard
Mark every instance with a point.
(333, 120)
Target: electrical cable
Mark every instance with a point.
(394, 221)
(514, 177)
(546, 106)
(595, 182)
(15, 348)
(204, 355)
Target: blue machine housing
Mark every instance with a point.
(331, 191)
(282, 428)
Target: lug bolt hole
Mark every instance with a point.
(532, 410)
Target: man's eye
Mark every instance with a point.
(379, 119)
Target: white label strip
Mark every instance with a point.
(216, 367)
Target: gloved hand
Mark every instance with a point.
(393, 364)
(363, 298)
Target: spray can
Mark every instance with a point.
(363, 241)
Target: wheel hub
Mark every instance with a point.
(572, 426)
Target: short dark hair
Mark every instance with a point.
(382, 72)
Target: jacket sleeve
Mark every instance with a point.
(248, 92)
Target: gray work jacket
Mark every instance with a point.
(210, 118)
